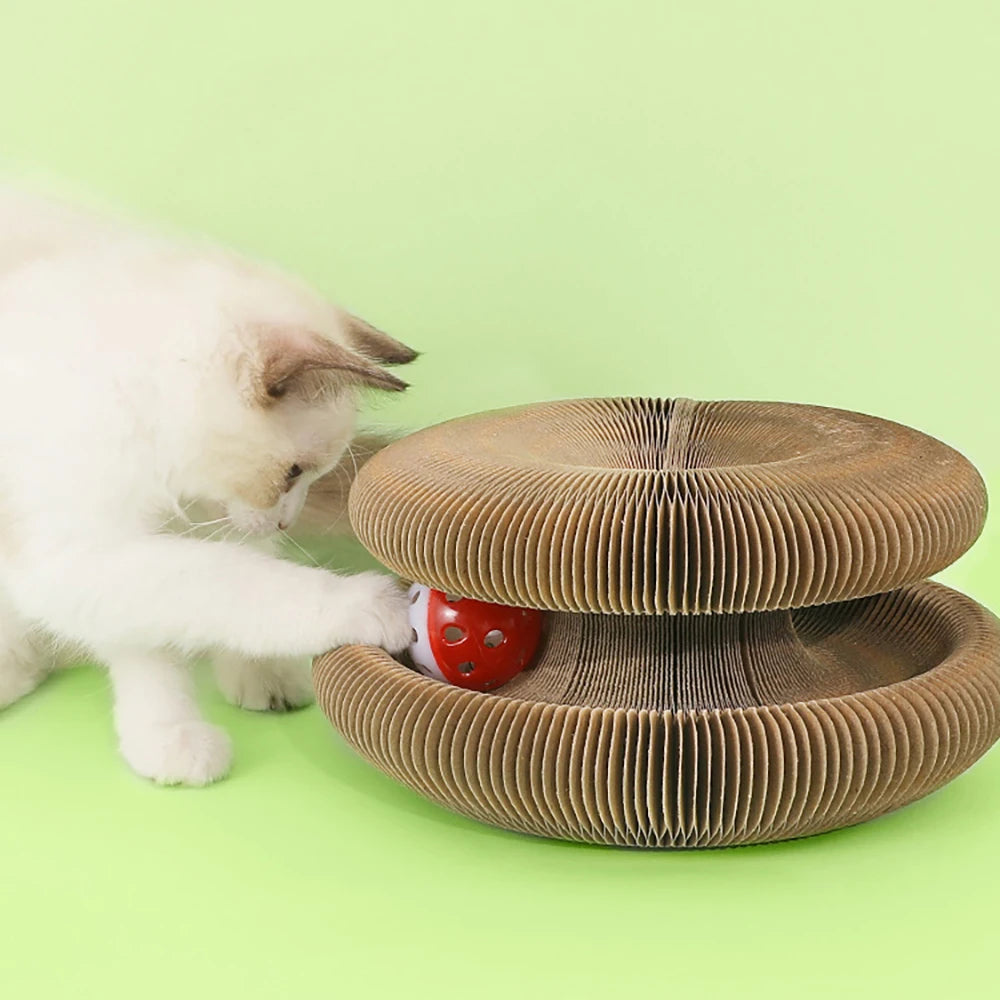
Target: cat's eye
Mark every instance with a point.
(294, 472)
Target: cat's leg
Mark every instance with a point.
(160, 591)
(24, 662)
(161, 732)
(265, 684)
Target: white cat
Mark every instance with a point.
(151, 391)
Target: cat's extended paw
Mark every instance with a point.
(182, 753)
(376, 613)
(273, 684)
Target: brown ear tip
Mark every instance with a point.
(406, 356)
(388, 382)
(376, 344)
(400, 354)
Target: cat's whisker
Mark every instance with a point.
(334, 523)
(180, 511)
(221, 530)
(197, 525)
(308, 555)
(354, 461)
(205, 524)
(176, 514)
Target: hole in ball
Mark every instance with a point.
(413, 635)
(467, 667)
(414, 597)
(454, 633)
(493, 638)
(452, 598)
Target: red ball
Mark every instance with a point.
(471, 644)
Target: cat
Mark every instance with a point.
(166, 408)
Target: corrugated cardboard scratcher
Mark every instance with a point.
(740, 648)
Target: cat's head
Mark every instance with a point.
(292, 415)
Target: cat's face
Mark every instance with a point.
(291, 445)
(290, 420)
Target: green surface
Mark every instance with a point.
(757, 200)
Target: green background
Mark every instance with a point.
(754, 200)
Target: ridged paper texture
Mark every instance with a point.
(739, 648)
(618, 772)
(651, 506)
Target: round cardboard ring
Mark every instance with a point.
(630, 774)
(658, 506)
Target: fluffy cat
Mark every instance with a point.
(155, 392)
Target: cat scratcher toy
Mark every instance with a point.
(737, 644)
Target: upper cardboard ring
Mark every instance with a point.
(659, 506)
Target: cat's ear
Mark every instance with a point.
(284, 357)
(375, 344)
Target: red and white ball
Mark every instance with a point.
(471, 644)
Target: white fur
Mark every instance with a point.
(125, 415)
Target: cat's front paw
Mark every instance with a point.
(182, 753)
(271, 684)
(374, 613)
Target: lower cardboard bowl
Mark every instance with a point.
(880, 701)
